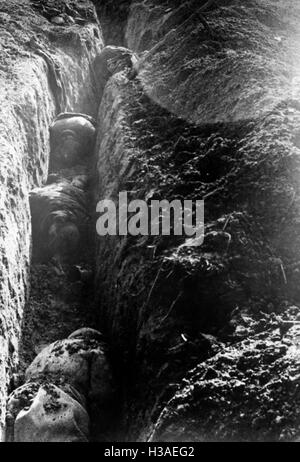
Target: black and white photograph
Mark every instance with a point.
(149, 224)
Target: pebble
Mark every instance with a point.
(58, 20)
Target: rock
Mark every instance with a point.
(217, 241)
(87, 333)
(78, 362)
(72, 139)
(53, 178)
(241, 331)
(114, 59)
(65, 378)
(51, 416)
(211, 374)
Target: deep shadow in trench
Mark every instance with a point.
(141, 357)
(63, 262)
(63, 294)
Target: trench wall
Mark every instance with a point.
(45, 69)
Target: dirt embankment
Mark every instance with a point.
(204, 340)
(38, 56)
(213, 115)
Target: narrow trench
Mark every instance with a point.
(61, 297)
(62, 289)
(62, 212)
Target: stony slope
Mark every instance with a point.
(37, 59)
(213, 114)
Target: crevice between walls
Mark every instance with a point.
(46, 58)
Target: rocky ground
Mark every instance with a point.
(213, 114)
(204, 341)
